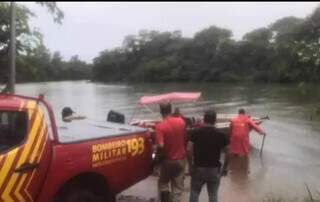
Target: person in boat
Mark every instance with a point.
(189, 121)
(177, 113)
(171, 146)
(207, 145)
(68, 115)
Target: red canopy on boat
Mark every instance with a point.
(170, 97)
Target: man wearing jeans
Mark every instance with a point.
(171, 140)
(208, 143)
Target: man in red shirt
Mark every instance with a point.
(238, 157)
(240, 128)
(171, 140)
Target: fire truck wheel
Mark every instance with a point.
(85, 188)
(86, 196)
(83, 196)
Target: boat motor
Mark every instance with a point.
(117, 117)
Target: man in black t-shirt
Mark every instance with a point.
(208, 143)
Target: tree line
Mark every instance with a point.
(34, 61)
(287, 50)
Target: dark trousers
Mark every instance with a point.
(208, 176)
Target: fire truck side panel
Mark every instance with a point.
(121, 161)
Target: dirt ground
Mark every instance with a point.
(233, 187)
(146, 191)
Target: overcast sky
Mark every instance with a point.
(89, 28)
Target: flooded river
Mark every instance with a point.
(291, 156)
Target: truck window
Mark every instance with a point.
(13, 129)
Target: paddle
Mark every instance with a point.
(261, 149)
(264, 136)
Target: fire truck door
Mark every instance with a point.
(25, 152)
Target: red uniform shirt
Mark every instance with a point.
(240, 128)
(171, 134)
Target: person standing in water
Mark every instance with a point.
(239, 148)
(240, 128)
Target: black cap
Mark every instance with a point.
(66, 111)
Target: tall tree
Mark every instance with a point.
(26, 38)
(20, 16)
(307, 46)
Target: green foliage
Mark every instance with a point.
(41, 65)
(285, 51)
(54, 10)
(259, 36)
(34, 61)
(27, 39)
(307, 46)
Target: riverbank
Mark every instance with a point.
(146, 191)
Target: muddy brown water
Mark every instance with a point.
(291, 156)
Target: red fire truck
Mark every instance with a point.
(78, 161)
